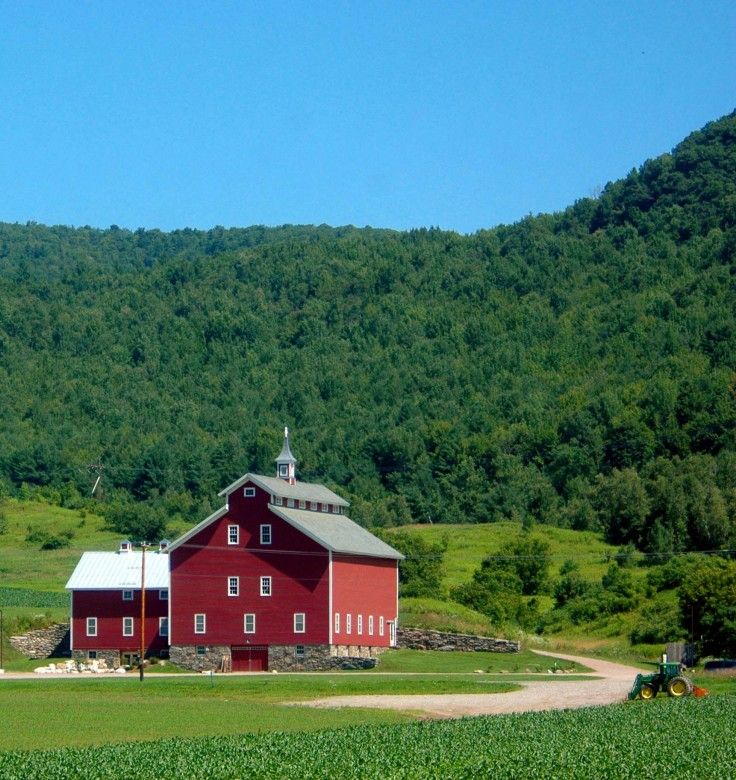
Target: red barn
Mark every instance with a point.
(106, 605)
(281, 578)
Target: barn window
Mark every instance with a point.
(325, 507)
(91, 626)
(290, 502)
(278, 501)
(335, 509)
(233, 586)
(348, 623)
(370, 625)
(266, 533)
(380, 626)
(249, 492)
(299, 652)
(300, 623)
(127, 626)
(302, 504)
(163, 595)
(283, 470)
(127, 595)
(200, 623)
(337, 622)
(265, 586)
(163, 626)
(360, 624)
(201, 651)
(92, 655)
(233, 534)
(249, 623)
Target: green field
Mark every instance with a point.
(61, 712)
(664, 739)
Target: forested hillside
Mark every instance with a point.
(576, 369)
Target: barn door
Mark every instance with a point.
(249, 658)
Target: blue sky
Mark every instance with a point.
(460, 115)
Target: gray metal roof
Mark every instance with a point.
(119, 571)
(285, 455)
(304, 491)
(336, 532)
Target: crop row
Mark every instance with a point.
(643, 740)
(25, 597)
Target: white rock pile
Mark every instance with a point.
(73, 667)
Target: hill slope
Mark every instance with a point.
(575, 369)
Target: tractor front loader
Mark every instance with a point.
(669, 678)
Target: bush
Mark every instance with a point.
(657, 624)
(47, 540)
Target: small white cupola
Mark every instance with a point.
(286, 462)
(125, 546)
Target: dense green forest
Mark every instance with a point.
(576, 368)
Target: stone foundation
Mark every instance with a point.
(110, 657)
(282, 658)
(317, 658)
(424, 639)
(187, 657)
(51, 642)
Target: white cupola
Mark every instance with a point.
(286, 462)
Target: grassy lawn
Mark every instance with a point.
(36, 714)
(524, 662)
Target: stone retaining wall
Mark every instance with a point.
(51, 642)
(186, 656)
(424, 639)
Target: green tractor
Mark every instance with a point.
(669, 678)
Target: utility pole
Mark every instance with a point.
(141, 657)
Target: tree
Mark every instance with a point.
(707, 599)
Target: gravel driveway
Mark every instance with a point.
(613, 683)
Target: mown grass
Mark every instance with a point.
(93, 711)
(427, 661)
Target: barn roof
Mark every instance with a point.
(336, 532)
(303, 491)
(119, 571)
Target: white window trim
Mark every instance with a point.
(127, 595)
(230, 582)
(302, 504)
(337, 622)
(163, 623)
(283, 470)
(266, 533)
(91, 626)
(348, 623)
(128, 622)
(370, 625)
(303, 616)
(360, 625)
(335, 509)
(249, 492)
(266, 584)
(203, 653)
(247, 615)
(290, 503)
(230, 535)
(202, 615)
(380, 626)
(92, 655)
(325, 507)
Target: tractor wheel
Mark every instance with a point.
(647, 691)
(679, 687)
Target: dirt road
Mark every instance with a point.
(614, 683)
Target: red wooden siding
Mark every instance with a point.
(200, 569)
(363, 586)
(110, 609)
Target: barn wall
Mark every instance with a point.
(298, 567)
(363, 586)
(110, 609)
